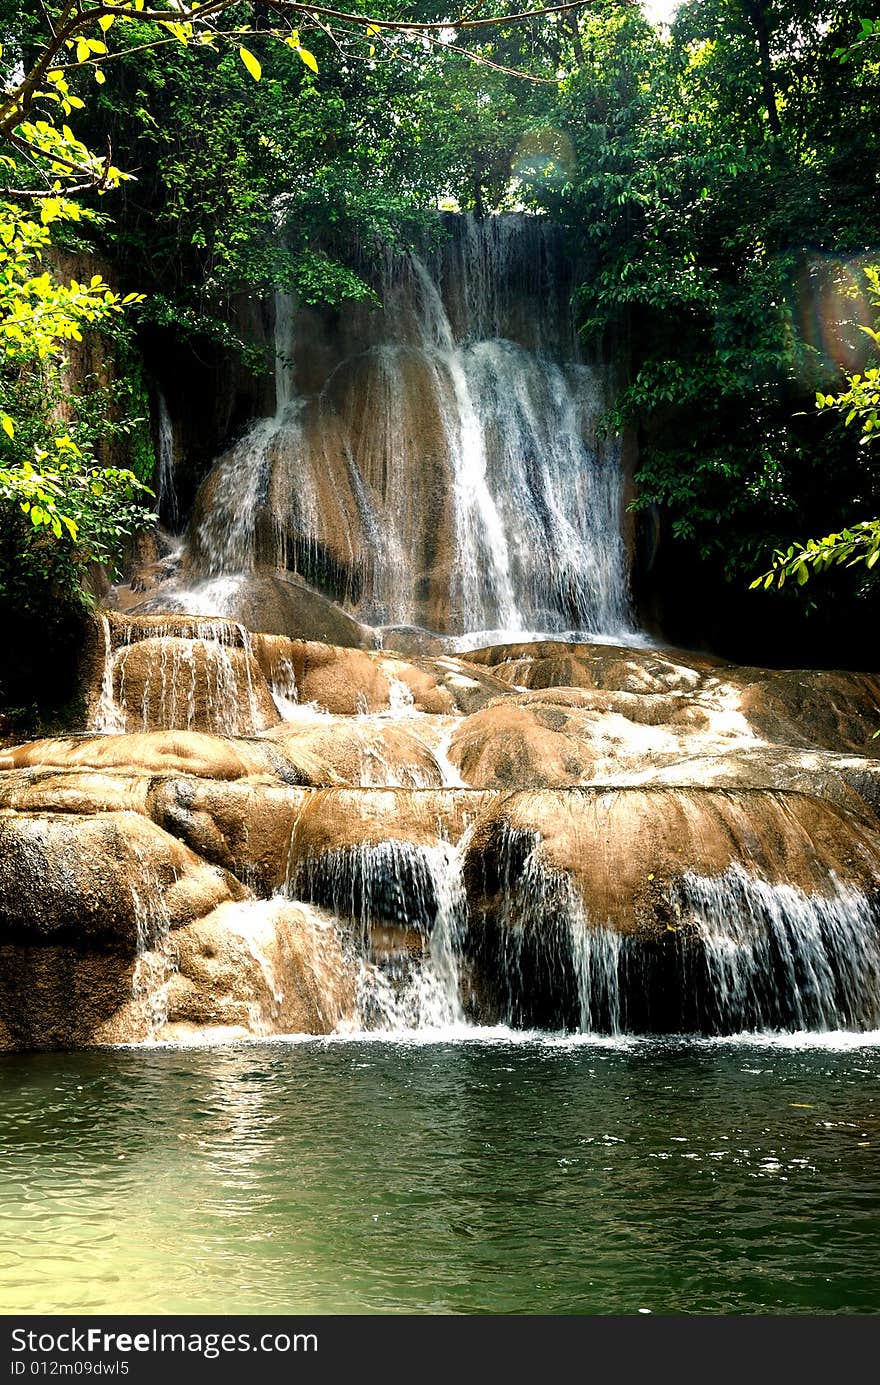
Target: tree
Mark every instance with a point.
(59, 510)
(856, 543)
(713, 225)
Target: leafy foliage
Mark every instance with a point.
(726, 182)
(60, 511)
(859, 543)
(721, 178)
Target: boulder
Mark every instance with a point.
(248, 968)
(259, 967)
(61, 997)
(159, 752)
(625, 850)
(350, 682)
(621, 668)
(837, 711)
(243, 826)
(369, 753)
(111, 880)
(344, 682)
(269, 599)
(343, 819)
(847, 781)
(566, 736)
(469, 686)
(84, 791)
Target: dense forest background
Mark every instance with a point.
(719, 176)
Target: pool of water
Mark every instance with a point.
(487, 1174)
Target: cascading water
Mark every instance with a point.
(108, 717)
(155, 961)
(404, 912)
(776, 958)
(436, 465)
(446, 474)
(166, 496)
(180, 675)
(743, 954)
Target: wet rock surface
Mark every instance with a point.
(315, 808)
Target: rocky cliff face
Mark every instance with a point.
(271, 835)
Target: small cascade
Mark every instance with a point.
(400, 699)
(166, 491)
(179, 676)
(109, 717)
(285, 693)
(596, 957)
(776, 958)
(227, 532)
(404, 913)
(451, 776)
(155, 959)
(742, 954)
(547, 963)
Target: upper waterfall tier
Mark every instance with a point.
(433, 463)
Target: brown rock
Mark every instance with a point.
(265, 967)
(838, 711)
(506, 745)
(59, 997)
(342, 681)
(337, 819)
(248, 968)
(109, 880)
(268, 599)
(157, 752)
(348, 682)
(623, 849)
(369, 753)
(549, 664)
(73, 791)
(191, 685)
(243, 826)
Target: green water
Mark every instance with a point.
(464, 1177)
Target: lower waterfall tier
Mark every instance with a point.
(261, 835)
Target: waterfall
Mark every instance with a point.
(166, 498)
(776, 958)
(179, 675)
(108, 716)
(742, 954)
(404, 912)
(446, 474)
(155, 958)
